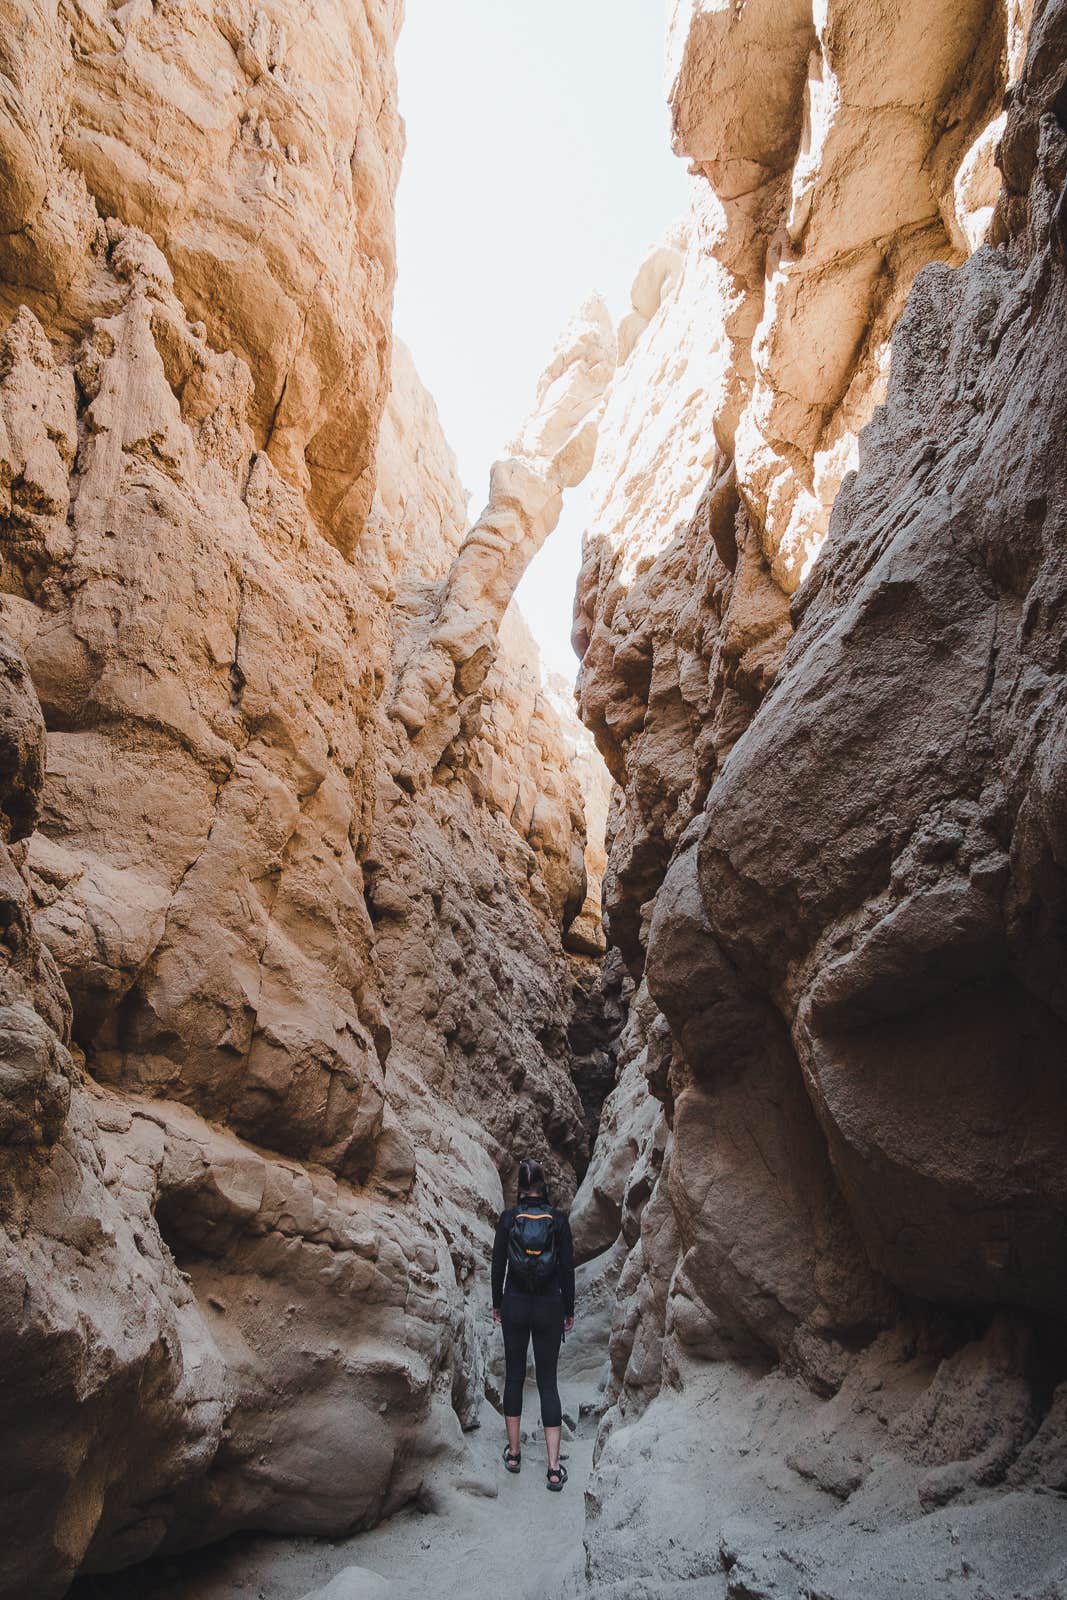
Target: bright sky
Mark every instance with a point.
(538, 168)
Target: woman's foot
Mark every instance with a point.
(556, 1478)
(512, 1459)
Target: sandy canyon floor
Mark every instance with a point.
(479, 1531)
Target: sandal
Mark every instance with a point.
(512, 1459)
(559, 1474)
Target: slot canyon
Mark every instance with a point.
(323, 902)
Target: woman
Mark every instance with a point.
(533, 1294)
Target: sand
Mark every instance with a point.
(478, 1532)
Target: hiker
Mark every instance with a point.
(533, 1294)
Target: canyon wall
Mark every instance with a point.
(300, 935)
(285, 997)
(820, 613)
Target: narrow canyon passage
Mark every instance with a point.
(324, 903)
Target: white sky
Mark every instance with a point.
(538, 168)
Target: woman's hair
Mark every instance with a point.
(532, 1178)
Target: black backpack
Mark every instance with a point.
(532, 1247)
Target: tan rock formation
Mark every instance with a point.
(832, 143)
(279, 1023)
(448, 655)
(585, 936)
(260, 152)
(470, 880)
(198, 880)
(757, 348)
(419, 518)
(835, 864)
(300, 945)
(678, 640)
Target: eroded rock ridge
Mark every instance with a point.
(820, 617)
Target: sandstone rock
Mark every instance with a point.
(420, 509)
(585, 936)
(762, 351)
(88, 1321)
(934, 733)
(735, 934)
(198, 879)
(448, 656)
(677, 619)
(277, 1025)
(300, 856)
(205, 931)
(835, 862)
(830, 147)
(602, 995)
(628, 1153)
(269, 119)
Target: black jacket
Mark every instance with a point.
(564, 1256)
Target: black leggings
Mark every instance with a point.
(542, 1316)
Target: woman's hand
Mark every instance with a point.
(496, 1314)
(568, 1324)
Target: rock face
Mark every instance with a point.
(449, 654)
(284, 999)
(843, 155)
(260, 151)
(837, 861)
(300, 937)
